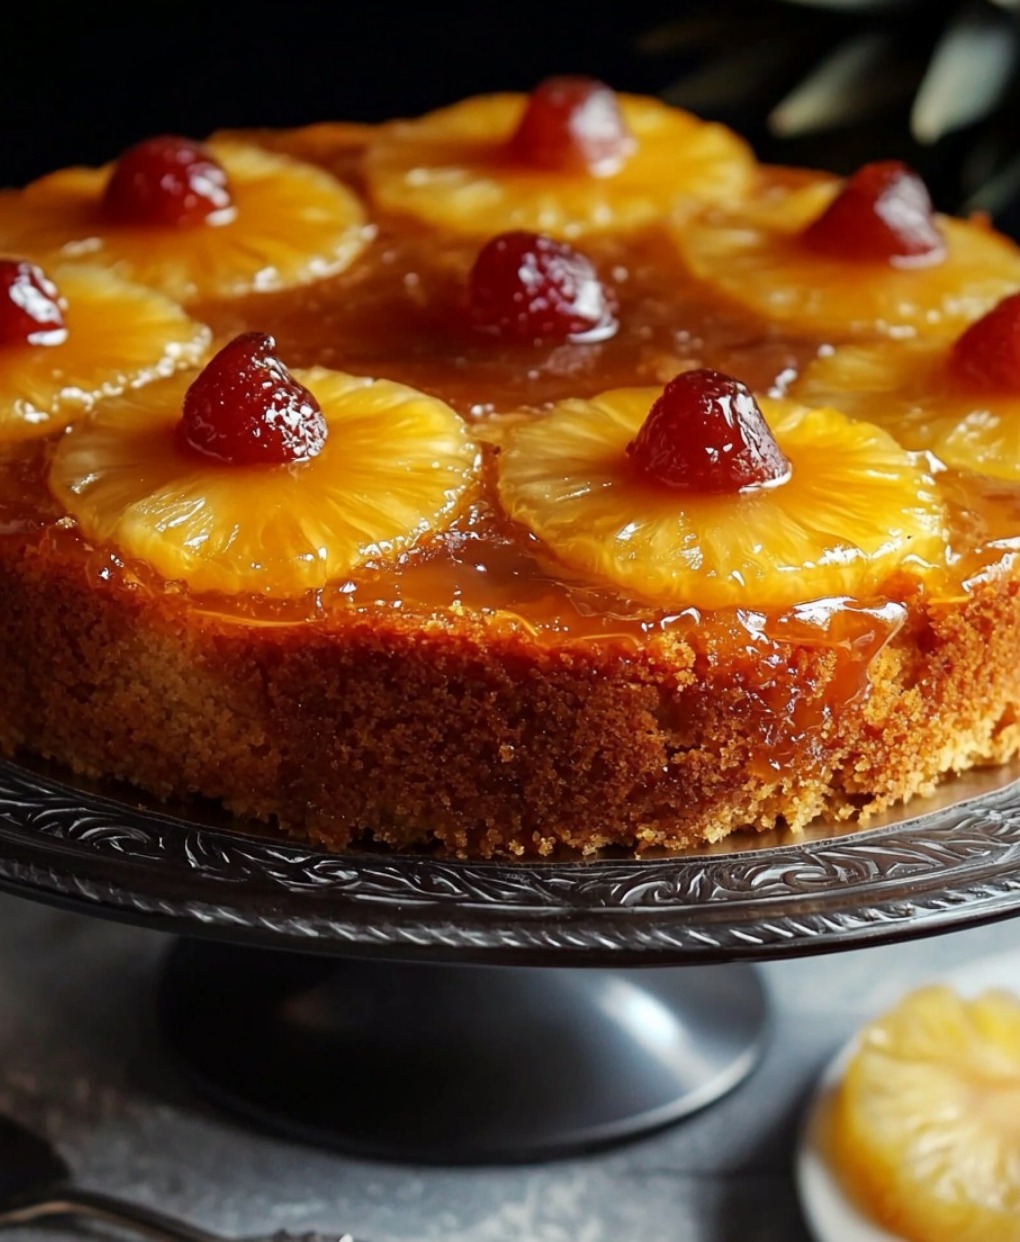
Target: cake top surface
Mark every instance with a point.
(572, 362)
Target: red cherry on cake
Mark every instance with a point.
(572, 124)
(31, 312)
(166, 181)
(987, 354)
(245, 408)
(706, 433)
(528, 287)
(883, 214)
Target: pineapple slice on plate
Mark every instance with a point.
(959, 400)
(377, 468)
(115, 335)
(851, 508)
(925, 1124)
(272, 222)
(592, 162)
(777, 259)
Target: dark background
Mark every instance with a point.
(78, 85)
(85, 83)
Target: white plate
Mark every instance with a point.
(830, 1215)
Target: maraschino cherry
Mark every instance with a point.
(883, 214)
(528, 287)
(572, 124)
(987, 354)
(706, 433)
(168, 181)
(31, 311)
(246, 409)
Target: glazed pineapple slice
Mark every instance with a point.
(65, 342)
(864, 258)
(196, 221)
(337, 146)
(688, 496)
(926, 1122)
(250, 479)
(570, 159)
(319, 143)
(960, 400)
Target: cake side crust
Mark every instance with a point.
(483, 738)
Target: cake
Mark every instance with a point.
(540, 475)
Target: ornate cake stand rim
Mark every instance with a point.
(958, 862)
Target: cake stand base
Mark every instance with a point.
(456, 1064)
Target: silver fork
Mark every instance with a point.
(36, 1185)
(144, 1222)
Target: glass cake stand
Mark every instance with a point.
(417, 1015)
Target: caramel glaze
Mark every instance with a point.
(397, 313)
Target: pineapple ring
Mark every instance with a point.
(292, 223)
(757, 260)
(394, 467)
(856, 508)
(119, 336)
(909, 389)
(333, 145)
(925, 1123)
(447, 169)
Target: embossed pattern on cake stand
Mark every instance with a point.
(948, 860)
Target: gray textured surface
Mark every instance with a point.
(80, 1061)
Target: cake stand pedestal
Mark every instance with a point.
(456, 1064)
(427, 1009)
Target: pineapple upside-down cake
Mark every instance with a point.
(543, 473)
